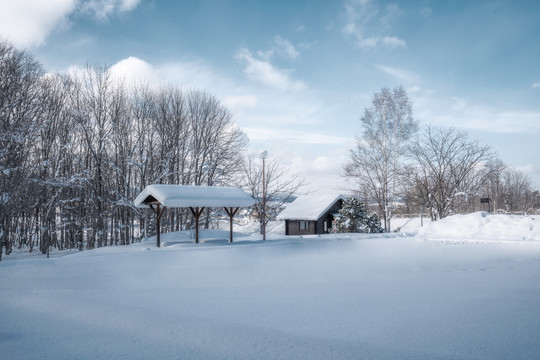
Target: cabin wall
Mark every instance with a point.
(292, 227)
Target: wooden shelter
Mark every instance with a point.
(196, 198)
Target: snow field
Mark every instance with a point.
(350, 296)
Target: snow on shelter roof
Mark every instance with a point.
(309, 207)
(194, 196)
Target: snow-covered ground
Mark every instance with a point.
(467, 287)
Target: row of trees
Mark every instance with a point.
(439, 170)
(77, 148)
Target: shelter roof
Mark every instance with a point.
(309, 207)
(175, 196)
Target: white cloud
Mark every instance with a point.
(266, 73)
(527, 169)
(285, 47)
(134, 69)
(193, 74)
(295, 136)
(361, 10)
(403, 75)
(536, 85)
(102, 9)
(282, 47)
(235, 103)
(365, 25)
(324, 164)
(414, 89)
(392, 12)
(459, 112)
(393, 42)
(27, 23)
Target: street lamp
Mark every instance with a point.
(263, 156)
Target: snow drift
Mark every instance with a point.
(482, 226)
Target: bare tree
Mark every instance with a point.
(517, 187)
(494, 184)
(448, 164)
(20, 121)
(376, 162)
(93, 102)
(280, 186)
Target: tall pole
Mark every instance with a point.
(263, 155)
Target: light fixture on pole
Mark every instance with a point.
(263, 156)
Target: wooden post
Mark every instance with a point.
(231, 212)
(197, 212)
(159, 212)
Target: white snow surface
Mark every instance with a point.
(309, 207)
(344, 296)
(481, 227)
(195, 196)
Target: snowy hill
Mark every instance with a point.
(345, 296)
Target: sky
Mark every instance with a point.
(297, 75)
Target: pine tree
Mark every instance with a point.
(353, 217)
(374, 223)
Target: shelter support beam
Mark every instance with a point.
(158, 211)
(231, 212)
(197, 212)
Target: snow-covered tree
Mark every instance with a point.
(353, 217)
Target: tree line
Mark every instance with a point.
(439, 171)
(77, 148)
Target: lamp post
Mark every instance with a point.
(263, 156)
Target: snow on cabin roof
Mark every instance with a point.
(310, 207)
(194, 196)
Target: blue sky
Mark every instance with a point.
(298, 74)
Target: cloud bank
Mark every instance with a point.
(28, 23)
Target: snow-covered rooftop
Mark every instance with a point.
(309, 207)
(195, 196)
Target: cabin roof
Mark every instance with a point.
(176, 196)
(309, 207)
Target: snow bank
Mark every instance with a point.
(481, 226)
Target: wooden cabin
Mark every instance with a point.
(311, 214)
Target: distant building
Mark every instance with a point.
(311, 214)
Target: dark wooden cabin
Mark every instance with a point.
(311, 214)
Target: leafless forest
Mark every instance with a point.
(77, 148)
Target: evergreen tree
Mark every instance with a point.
(353, 217)
(374, 223)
